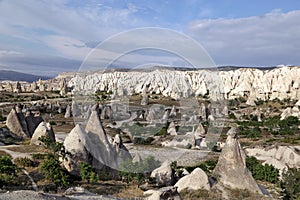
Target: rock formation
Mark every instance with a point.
(172, 129)
(43, 129)
(16, 123)
(145, 97)
(199, 135)
(230, 84)
(231, 170)
(76, 143)
(163, 175)
(68, 112)
(169, 193)
(194, 181)
(103, 151)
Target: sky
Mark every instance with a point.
(50, 37)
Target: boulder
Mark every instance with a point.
(231, 169)
(43, 129)
(194, 181)
(163, 193)
(164, 175)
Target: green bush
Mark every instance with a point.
(88, 173)
(207, 166)
(53, 171)
(262, 172)
(137, 171)
(24, 162)
(8, 170)
(290, 184)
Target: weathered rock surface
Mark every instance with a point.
(16, 124)
(285, 156)
(231, 168)
(163, 174)
(194, 181)
(43, 129)
(281, 82)
(94, 146)
(163, 193)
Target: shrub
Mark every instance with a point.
(207, 166)
(53, 171)
(8, 170)
(137, 171)
(290, 183)
(88, 173)
(262, 172)
(24, 162)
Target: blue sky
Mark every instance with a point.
(49, 37)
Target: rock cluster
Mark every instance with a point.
(257, 84)
(92, 145)
(22, 126)
(281, 157)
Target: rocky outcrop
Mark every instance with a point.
(95, 146)
(290, 112)
(43, 129)
(76, 143)
(163, 175)
(281, 83)
(287, 156)
(231, 170)
(16, 124)
(194, 181)
(172, 129)
(163, 193)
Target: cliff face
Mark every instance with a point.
(278, 83)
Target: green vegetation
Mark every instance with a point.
(52, 166)
(290, 184)
(8, 171)
(24, 162)
(207, 166)
(88, 173)
(137, 171)
(262, 172)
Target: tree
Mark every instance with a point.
(290, 184)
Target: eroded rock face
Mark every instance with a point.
(163, 174)
(43, 129)
(94, 146)
(231, 169)
(76, 143)
(255, 83)
(16, 124)
(194, 181)
(163, 193)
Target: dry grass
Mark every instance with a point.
(28, 149)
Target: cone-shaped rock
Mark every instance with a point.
(231, 168)
(172, 129)
(76, 143)
(43, 129)
(16, 125)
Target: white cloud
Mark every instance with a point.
(260, 40)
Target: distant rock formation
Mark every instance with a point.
(172, 129)
(231, 170)
(255, 83)
(43, 129)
